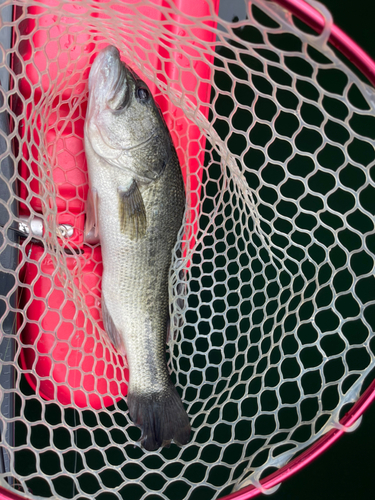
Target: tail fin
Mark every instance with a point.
(161, 417)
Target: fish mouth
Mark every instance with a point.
(108, 80)
(108, 86)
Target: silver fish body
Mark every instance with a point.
(137, 203)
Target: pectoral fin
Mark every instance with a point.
(92, 213)
(132, 212)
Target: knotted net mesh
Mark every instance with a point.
(273, 326)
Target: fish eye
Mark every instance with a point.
(143, 93)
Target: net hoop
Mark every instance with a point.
(5, 494)
(347, 424)
(348, 47)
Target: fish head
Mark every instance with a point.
(123, 121)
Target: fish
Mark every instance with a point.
(136, 206)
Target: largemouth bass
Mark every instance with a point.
(137, 203)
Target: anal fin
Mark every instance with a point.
(111, 330)
(179, 293)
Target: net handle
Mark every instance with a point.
(313, 18)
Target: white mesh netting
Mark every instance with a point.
(274, 338)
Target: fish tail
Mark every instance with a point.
(161, 417)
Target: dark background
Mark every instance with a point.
(347, 470)
(356, 19)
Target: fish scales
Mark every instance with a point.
(137, 204)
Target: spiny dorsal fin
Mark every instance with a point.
(132, 212)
